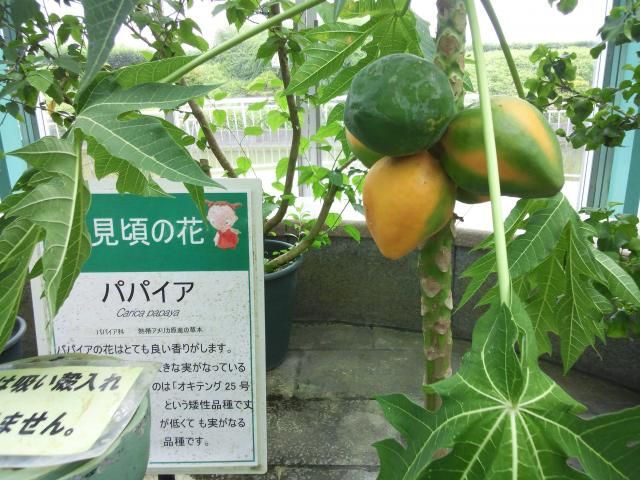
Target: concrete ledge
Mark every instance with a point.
(350, 280)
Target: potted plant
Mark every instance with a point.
(12, 349)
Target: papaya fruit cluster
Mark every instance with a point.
(399, 121)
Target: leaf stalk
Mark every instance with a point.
(506, 51)
(504, 281)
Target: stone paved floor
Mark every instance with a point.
(322, 418)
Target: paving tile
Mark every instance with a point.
(360, 374)
(328, 473)
(388, 338)
(330, 337)
(281, 381)
(270, 475)
(277, 472)
(325, 432)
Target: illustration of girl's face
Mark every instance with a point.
(221, 217)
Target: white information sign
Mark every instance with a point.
(164, 284)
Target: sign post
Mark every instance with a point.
(165, 284)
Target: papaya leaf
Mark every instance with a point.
(130, 179)
(543, 229)
(338, 5)
(479, 272)
(143, 141)
(391, 35)
(502, 417)
(17, 242)
(197, 195)
(618, 281)
(523, 208)
(334, 31)
(427, 44)
(543, 303)
(103, 19)
(323, 59)
(149, 72)
(342, 81)
(40, 79)
(397, 35)
(580, 311)
(59, 206)
(373, 8)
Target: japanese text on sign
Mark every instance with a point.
(61, 410)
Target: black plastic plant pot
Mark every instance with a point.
(279, 295)
(13, 348)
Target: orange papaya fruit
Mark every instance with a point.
(406, 201)
(529, 154)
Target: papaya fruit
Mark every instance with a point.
(367, 156)
(470, 197)
(406, 201)
(398, 105)
(529, 155)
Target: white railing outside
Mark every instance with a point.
(267, 149)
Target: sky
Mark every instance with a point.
(523, 21)
(531, 21)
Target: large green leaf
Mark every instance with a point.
(130, 179)
(361, 8)
(427, 44)
(324, 58)
(397, 35)
(103, 19)
(522, 209)
(17, 241)
(338, 5)
(197, 195)
(556, 258)
(542, 306)
(149, 72)
(479, 272)
(543, 230)
(342, 81)
(143, 140)
(581, 309)
(503, 418)
(130, 76)
(618, 281)
(59, 206)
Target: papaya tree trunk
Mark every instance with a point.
(435, 265)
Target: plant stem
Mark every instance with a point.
(236, 40)
(450, 41)
(436, 305)
(307, 241)
(435, 265)
(405, 8)
(327, 201)
(504, 45)
(209, 136)
(504, 282)
(283, 61)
